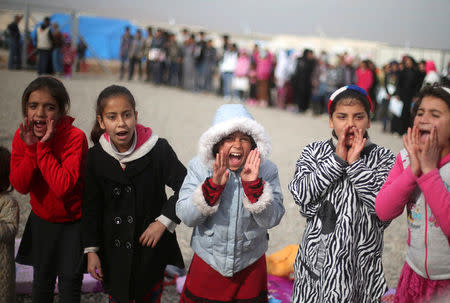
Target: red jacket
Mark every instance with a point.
(52, 172)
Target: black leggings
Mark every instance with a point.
(69, 286)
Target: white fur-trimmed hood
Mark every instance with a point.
(230, 118)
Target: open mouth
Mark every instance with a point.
(424, 133)
(234, 159)
(122, 134)
(39, 124)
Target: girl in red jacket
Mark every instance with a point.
(47, 161)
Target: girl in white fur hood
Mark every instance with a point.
(231, 196)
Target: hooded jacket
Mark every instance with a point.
(123, 195)
(232, 234)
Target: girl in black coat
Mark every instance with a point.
(128, 222)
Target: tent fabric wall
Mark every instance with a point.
(101, 34)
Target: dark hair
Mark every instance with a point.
(434, 90)
(5, 159)
(350, 94)
(110, 91)
(216, 146)
(54, 87)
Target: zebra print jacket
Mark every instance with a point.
(339, 258)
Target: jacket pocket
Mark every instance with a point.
(250, 239)
(206, 238)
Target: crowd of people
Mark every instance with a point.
(286, 79)
(105, 210)
(51, 51)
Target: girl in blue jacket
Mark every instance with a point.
(231, 196)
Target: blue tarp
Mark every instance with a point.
(101, 34)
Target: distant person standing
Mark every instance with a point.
(81, 56)
(147, 45)
(210, 65)
(15, 59)
(124, 48)
(409, 83)
(58, 43)
(174, 57)
(199, 54)
(44, 45)
(189, 64)
(157, 56)
(136, 53)
(301, 80)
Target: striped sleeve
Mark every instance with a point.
(316, 169)
(369, 176)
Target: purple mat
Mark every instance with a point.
(280, 289)
(24, 279)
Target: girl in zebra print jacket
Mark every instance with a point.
(335, 185)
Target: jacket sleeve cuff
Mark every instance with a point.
(264, 200)
(211, 191)
(341, 161)
(200, 202)
(169, 224)
(91, 249)
(253, 189)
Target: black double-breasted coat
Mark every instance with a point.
(118, 206)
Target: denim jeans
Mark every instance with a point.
(227, 77)
(15, 56)
(57, 60)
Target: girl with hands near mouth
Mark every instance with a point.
(128, 221)
(335, 184)
(47, 161)
(231, 196)
(420, 182)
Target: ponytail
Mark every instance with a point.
(96, 132)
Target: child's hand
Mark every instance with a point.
(94, 267)
(430, 152)
(26, 132)
(50, 130)
(220, 170)
(251, 168)
(358, 144)
(152, 234)
(341, 148)
(411, 143)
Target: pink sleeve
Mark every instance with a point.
(437, 196)
(396, 192)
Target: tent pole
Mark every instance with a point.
(74, 29)
(25, 36)
(94, 54)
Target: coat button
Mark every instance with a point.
(130, 219)
(116, 191)
(128, 245)
(118, 220)
(117, 243)
(128, 189)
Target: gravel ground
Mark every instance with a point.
(181, 117)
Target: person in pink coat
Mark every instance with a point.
(420, 181)
(264, 66)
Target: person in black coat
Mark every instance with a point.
(301, 80)
(408, 85)
(127, 221)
